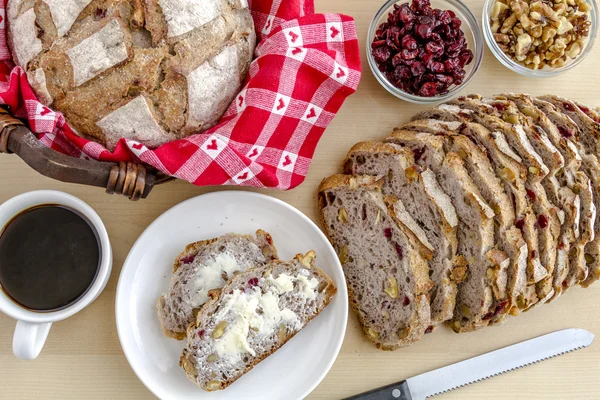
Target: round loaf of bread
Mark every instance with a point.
(147, 70)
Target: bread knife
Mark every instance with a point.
(481, 367)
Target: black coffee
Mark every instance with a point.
(49, 257)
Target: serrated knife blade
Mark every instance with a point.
(481, 367)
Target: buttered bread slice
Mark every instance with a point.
(204, 266)
(255, 314)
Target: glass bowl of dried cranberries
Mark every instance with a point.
(424, 51)
(538, 38)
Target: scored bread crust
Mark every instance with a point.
(419, 321)
(169, 68)
(193, 249)
(241, 281)
(443, 294)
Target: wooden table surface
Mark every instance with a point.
(83, 358)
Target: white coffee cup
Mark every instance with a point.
(33, 327)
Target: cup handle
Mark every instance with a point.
(29, 338)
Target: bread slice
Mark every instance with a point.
(251, 317)
(204, 266)
(508, 238)
(428, 205)
(384, 261)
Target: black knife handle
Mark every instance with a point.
(395, 391)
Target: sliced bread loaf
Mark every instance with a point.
(428, 205)
(475, 239)
(512, 176)
(384, 261)
(204, 266)
(434, 148)
(255, 314)
(590, 166)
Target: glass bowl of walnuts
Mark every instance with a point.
(539, 38)
(424, 51)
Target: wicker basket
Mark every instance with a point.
(128, 179)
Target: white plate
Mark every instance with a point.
(293, 371)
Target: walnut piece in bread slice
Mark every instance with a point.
(251, 317)
(384, 261)
(204, 266)
(428, 205)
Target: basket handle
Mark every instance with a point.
(129, 179)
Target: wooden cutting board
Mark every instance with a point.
(83, 358)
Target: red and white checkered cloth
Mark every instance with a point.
(306, 65)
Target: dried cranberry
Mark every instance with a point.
(451, 65)
(429, 329)
(437, 67)
(447, 79)
(531, 195)
(253, 282)
(377, 43)
(453, 49)
(564, 284)
(406, 301)
(568, 107)
(452, 13)
(434, 48)
(428, 89)
(520, 223)
(445, 17)
(403, 73)
(201, 333)
(418, 68)
(405, 14)
(565, 132)
(397, 60)
(387, 232)
(455, 23)
(459, 76)
(418, 153)
(188, 259)
(542, 221)
(409, 42)
(561, 246)
(409, 54)
(500, 307)
(381, 54)
(399, 251)
(584, 109)
(428, 59)
(426, 20)
(499, 106)
(100, 13)
(420, 5)
(391, 43)
(487, 316)
(436, 37)
(423, 31)
(465, 57)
